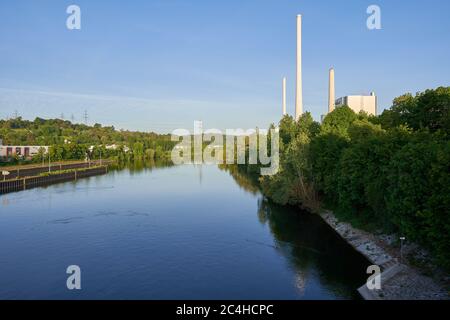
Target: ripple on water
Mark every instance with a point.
(65, 220)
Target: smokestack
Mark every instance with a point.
(299, 92)
(331, 96)
(284, 96)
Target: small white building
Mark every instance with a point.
(111, 147)
(21, 151)
(367, 104)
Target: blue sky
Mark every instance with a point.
(161, 64)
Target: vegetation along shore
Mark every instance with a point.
(386, 174)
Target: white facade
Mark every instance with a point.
(24, 151)
(111, 147)
(367, 104)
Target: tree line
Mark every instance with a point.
(71, 141)
(388, 172)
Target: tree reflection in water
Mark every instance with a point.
(308, 243)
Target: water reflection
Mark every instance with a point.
(308, 243)
(245, 181)
(152, 230)
(139, 165)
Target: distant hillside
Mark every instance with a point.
(55, 131)
(72, 141)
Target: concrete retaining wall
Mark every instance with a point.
(38, 181)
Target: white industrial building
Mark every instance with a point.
(20, 151)
(358, 103)
(367, 104)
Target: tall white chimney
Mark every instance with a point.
(284, 96)
(299, 91)
(331, 94)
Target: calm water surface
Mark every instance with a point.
(180, 232)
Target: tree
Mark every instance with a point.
(338, 121)
(138, 149)
(427, 110)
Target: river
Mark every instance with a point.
(174, 232)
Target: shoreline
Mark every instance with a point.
(45, 179)
(399, 279)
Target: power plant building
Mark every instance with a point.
(359, 103)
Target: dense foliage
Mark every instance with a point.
(390, 172)
(69, 141)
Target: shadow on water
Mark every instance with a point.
(308, 243)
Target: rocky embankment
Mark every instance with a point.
(406, 275)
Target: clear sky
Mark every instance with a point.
(161, 64)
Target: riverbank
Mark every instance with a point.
(20, 171)
(407, 274)
(9, 167)
(48, 178)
